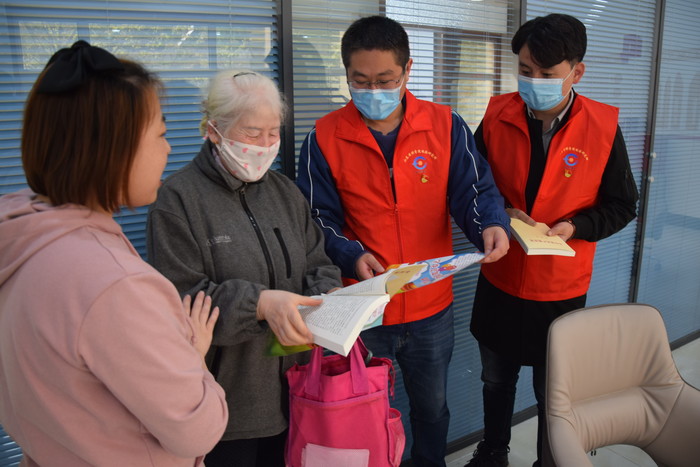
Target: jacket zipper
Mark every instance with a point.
(266, 252)
(285, 252)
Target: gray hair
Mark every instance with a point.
(233, 92)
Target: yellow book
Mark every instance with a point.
(535, 241)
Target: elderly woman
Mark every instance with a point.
(227, 225)
(100, 363)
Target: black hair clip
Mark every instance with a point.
(68, 68)
(243, 73)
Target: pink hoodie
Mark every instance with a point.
(96, 361)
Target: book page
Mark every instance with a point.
(373, 286)
(337, 322)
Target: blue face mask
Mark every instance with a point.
(542, 93)
(376, 104)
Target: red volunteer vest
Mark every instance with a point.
(414, 224)
(577, 156)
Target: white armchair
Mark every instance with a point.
(611, 379)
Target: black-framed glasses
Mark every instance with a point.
(379, 84)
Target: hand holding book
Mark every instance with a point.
(336, 323)
(535, 241)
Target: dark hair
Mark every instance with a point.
(78, 146)
(375, 33)
(552, 39)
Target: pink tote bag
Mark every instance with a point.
(340, 414)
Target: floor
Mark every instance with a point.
(522, 447)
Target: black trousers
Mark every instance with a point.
(256, 452)
(512, 332)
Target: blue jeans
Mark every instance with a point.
(423, 350)
(500, 376)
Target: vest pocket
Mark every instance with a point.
(285, 252)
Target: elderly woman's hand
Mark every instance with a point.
(280, 309)
(203, 320)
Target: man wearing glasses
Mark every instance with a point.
(383, 175)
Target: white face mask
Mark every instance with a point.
(246, 162)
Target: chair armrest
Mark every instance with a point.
(565, 449)
(678, 442)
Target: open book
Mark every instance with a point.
(535, 241)
(341, 317)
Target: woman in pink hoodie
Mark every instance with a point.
(99, 362)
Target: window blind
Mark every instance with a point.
(319, 76)
(184, 42)
(671, 249)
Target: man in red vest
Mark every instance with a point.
(558, 158)
(383, 175)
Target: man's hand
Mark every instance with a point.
(279, 309)
(367, 266)
(496, 244)
(518, 214)
(564, 229)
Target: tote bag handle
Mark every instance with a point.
(358, 371)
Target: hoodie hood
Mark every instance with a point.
(28, 224)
